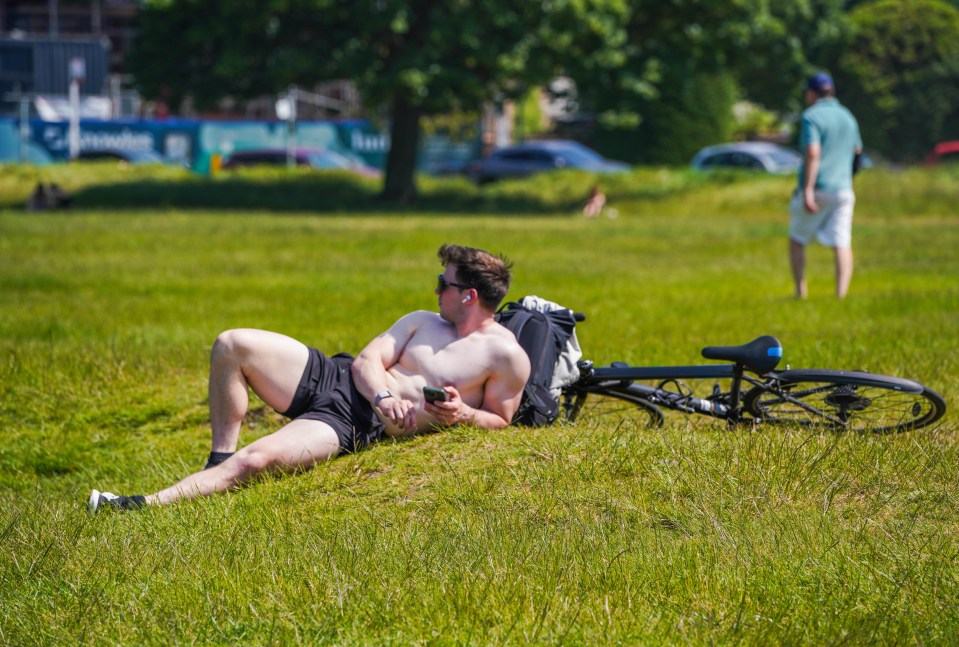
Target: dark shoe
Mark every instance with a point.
(216, 458)
(101, 500)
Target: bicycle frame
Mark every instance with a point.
(837, 398)
(726, 406)
(723, 405)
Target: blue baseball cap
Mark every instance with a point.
(820, 83)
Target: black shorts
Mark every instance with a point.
(326, 393)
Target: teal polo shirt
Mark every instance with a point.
(829, 124)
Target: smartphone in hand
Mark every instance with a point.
(433, 394)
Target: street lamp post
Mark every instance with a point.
(286, 110)
(78, 71)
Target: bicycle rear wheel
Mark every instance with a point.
(619, 405)
(851, 400)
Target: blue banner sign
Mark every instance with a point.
(196, 143)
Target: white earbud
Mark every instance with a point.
(466, 300)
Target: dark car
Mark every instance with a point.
(321, 159)
(752, 156)
(943, 152)
(525, 159)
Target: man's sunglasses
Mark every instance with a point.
(442, 284)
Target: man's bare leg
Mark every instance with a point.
(843, 270)
(299, 445)
(269, 363)
(797, 259)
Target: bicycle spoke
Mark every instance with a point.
(620, 408)
(846, 405)
(817, 413)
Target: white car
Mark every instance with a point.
(755, 156)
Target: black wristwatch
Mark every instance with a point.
(380, 396)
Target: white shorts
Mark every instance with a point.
(832, 224)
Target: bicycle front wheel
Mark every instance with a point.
(620, 406)
(851, 400)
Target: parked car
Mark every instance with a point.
(754, 156)
(321, 159)
(943, 152)
(532, 157)
(122, 155)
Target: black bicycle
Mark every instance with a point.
(755, 393)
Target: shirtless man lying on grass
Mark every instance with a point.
(341, 404)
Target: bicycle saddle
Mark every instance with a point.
(761, 355)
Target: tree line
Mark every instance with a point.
(660, 76)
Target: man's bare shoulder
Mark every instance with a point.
(417, 319)
(506, 342)
(502, 332)
(420, 315)
(510, 358)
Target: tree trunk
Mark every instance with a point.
(399, 185)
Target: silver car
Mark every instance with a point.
(755, 156)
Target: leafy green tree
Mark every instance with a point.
(688, 112)
(661, 76)
(684, 64)
(788, 40)
(415, 57)
(899, 75)
(211, 50)
(530, 119)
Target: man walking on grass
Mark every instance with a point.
(338, 404)
(822, 204)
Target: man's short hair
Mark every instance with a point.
(488, 274)
(821, 83)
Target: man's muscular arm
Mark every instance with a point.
(369, 369)
(501, 396)
(504, 392)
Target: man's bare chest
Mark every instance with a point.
(442, 359)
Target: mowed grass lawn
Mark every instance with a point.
(587, 533)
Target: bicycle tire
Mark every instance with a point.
(850, 400)
(620, 405)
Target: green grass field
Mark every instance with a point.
(574, 534)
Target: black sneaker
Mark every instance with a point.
(101, 500)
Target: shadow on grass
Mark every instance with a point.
(314, 194)
(562, 192)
